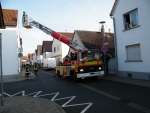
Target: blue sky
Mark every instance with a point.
(60, 16)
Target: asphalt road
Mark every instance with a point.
(87, 96)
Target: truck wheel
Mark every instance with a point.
(58, 74)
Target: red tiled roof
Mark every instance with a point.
(113, 8)
(47, 46)
(10, 17)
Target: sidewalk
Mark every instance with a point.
(19, 104)
(139, 82)
(20, 77)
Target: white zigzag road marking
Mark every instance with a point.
(53, 99)
(71, 98)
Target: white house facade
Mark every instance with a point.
(131, 22)
(10, 44)
(57, 51)
(77, 40)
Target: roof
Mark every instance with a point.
(47, 46)
(10, 17)
(39, 50)
(68, 35)
(113, 8)
(94, 39)
(90, 39)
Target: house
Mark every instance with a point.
(94, 40)
(24, 59)
(39, 54)
(10, 44)
(35, 56)
(132, 38)
(30, 58)
(59, 49)
(47, 49)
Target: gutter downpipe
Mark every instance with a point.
(115, 42)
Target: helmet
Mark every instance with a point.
(28, 63)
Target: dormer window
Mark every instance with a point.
(131, 19)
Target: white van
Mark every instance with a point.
(49, 63)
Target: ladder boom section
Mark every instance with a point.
(53, 33)
(28, 23)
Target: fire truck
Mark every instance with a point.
(73, 66)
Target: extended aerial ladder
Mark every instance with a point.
(28, 22)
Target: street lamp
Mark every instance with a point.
(102, 32)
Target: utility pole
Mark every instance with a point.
(102, 31)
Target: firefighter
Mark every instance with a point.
(35, 66)
(84, 58)
(27, 70)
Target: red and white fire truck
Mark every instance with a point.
(73, 65)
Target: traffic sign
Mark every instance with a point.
(20, 55)
(104, 48)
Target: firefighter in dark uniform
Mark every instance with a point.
(27, 70)
(35, 68)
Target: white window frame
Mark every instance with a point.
(133, 53)
(130, 25)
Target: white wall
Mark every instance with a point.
(77, 40)
(133, 36)
(65, 49)
(9, 51)
(55, 43)
(40, 58)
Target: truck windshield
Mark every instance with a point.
(89, 55)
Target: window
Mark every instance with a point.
(57, 48)
(133, 52)
(131, 19)
(54, 49)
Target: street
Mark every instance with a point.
(86, 96)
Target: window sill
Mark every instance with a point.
(131, 28)
(134, 61)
